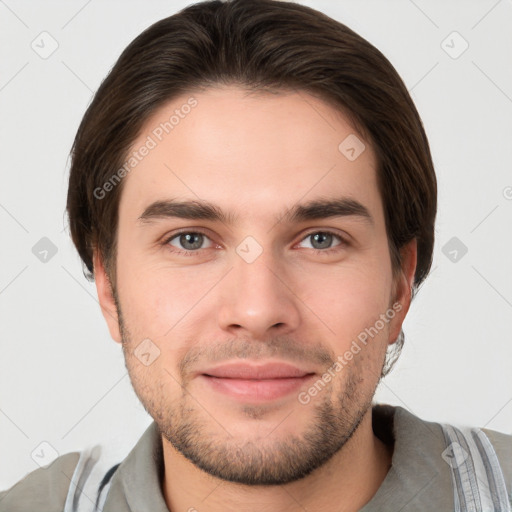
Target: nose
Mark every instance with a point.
(258, 300)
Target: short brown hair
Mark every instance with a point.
(262, 45)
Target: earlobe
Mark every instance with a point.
(106, 297)
(404, 286)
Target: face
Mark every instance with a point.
(249, 237)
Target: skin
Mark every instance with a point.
(254, 156)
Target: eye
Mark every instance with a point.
(189, 241)
(323, 241)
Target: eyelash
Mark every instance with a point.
(343, 242)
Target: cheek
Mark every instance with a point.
(348, 300)
(157, 300)
(156, 385)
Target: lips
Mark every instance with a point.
(266, 371)
(255, 383)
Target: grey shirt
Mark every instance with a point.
(419, 479)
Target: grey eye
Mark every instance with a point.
(322, 240)
(188, 241)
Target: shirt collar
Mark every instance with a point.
(417, 466)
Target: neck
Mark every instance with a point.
(349, 480)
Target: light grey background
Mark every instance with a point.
(63, 380)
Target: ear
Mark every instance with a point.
(403, 288)
(106, 297)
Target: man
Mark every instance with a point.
(253, 192)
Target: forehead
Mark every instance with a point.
(251, 153)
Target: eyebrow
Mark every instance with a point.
(203, 210)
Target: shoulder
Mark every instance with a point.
(77, 481)
(502, 444)
(45, 488)
(480, 460)
(468, 462)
